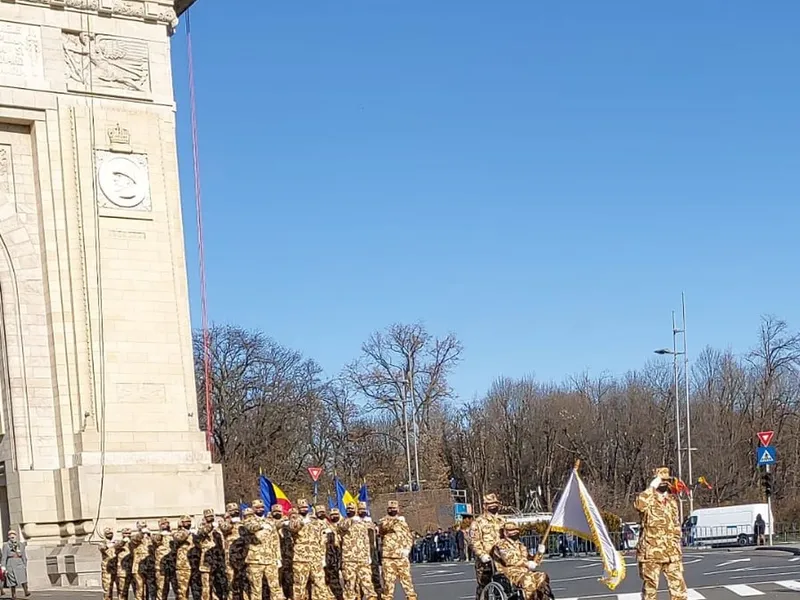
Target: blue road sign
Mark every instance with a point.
(766, 455)
(460, 509)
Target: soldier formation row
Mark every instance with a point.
(255, 555)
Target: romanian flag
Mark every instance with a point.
(343, 497)
(363, 494)
(272, 494)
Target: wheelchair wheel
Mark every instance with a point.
(493, 591)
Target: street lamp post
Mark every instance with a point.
(675, 353)
(403, 401)
(414, 417)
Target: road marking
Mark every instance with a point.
(790, 585)
(795, 559)
(636, 596)
(736, 560)
(448, 581)
(743, 590)
(693, 594)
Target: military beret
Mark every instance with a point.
(490, 499)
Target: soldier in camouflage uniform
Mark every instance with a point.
(108, 564)
(356, 556)
(397, 543)
(483, 536)
(258, 508)
(208, 566)
(659, 549)
(124, 563)
(333, 558)
(518, 565)
(140, 551)
(308, 562)
(263, 558)
(183, 542)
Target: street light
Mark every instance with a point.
(402, 383)
(409, 379)
(675, 353)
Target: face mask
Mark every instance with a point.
(663, 488)
(363, 514)
(259, 512)
(351, 513)
(321, 517)
(303, 512)
(514, 536)
(277, 515)
(392, 513)
(493, 509)
(145, 530)
(334, 519)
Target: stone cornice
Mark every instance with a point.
(154, 11)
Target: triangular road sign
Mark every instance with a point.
(315, 472)
(765, 437)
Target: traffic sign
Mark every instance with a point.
(765, 437)
(315, 472)
(766, 455)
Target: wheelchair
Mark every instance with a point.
(500, 588)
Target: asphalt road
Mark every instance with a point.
(710, 575)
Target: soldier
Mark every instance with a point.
(264, 559)
(140, 549)
(230, 536)
(209, 517)
(185, 522)
(108, 563)
(308, 560)
(483, 535)
(397, 542)
(518, 565)
(286, 543)
(124, 563)
(302, 507)
(183, 542)
(207, 564)
(333, 557)
(659, 549)
(162, 554)
(258, 507)
(356, 556)
(232, 511)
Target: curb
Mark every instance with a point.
(789, 549)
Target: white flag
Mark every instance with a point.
(576, 513)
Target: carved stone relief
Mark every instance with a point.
(20, 51)
(123, 181)
(103, 61)
(6, 175)
(125, 8)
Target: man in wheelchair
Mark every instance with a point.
(516, 564)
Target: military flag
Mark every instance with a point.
(272, 494)
(576, 513)
(343, 497)
(363, 494)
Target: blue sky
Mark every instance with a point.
(542, 179)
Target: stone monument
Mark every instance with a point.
(98, 423)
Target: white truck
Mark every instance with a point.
(727, 525)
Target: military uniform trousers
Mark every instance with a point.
(357, 580)
(397, 569)
(306, 573)
(183, 579)
(528, 581)
(139, 586)
(124, 579)
(483, 575)
(109, 579)
(650, 572)
(206, 585)
(257, 573)
(162, 583)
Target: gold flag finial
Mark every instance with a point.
(578, 464)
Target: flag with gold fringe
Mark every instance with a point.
(576, 513)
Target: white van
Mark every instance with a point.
(727, 524)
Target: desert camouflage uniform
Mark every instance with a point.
(512, 558)
(483, 536)
(207, 544)
(308, 560)
(659, 548)
(124, 563)
(140, 549)
(108, 562)
(397, 543)
(263, 559)
(183, 542)
(162, 550)
(231, 536)
(356, 558)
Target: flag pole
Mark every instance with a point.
(538, 558)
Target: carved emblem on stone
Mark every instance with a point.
(96, 60)
(120, 139)
(123, 181)
(6, 186)
(20, 51)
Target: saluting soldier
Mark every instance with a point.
(659, 549)
(310, 537)
(183, 542)
(397, 542)
(356, 556)
(124, 563)
(108, 564)
(333, 561)
(483, 535)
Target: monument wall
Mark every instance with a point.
(98, 424)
